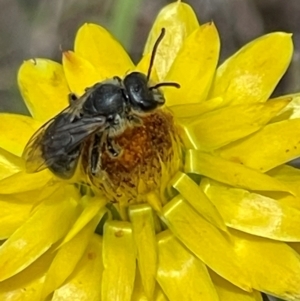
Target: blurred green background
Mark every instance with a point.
(42, 28)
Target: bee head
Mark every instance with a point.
(142, 97)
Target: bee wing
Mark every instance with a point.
(58, 139)
(33, 154)
(63, 149)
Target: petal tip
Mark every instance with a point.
(67, 55)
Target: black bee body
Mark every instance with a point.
(104, 110)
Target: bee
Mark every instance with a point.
(104, 111)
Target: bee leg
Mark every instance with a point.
(72, 97)
(96, 155)
(112, 148)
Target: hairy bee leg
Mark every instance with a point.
(96, 154)
(111, 147)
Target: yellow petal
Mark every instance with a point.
(295, 246)
(194, 195)
(259, 255)
(274, 145)
(44, 88)
(67, 258)
(180, 21)
(15, 209)
(93, 206)
(80, 73)
(181, 275)
(254, 213)
(9, 164)
(205, 241)
(160, 296)
(194, 66)
(27, 285)
(139, 294)
(119, 261)
(290, 176)
(154, 200)
(15, 131)
(46, 226)
(230, 173)
(229, 292)
(141, 217)
(22, 181)
(286, 173)
(102, 50)
(292, 110)
(285, 199)
(253, 72)
(220, 127)
(194, 109)
(85, 283)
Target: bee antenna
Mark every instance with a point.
(170, 84)
(161, 36)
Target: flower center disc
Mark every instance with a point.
(145, 158)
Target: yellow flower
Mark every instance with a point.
(218, 216)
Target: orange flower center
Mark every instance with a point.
(144, 149)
